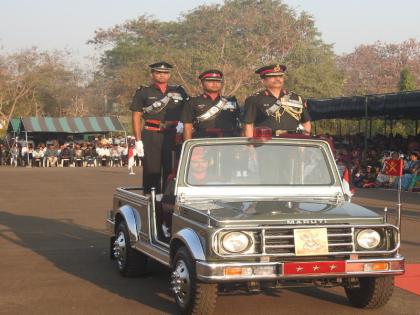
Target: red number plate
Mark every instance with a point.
(314, 267)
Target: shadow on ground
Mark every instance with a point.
(83, 253)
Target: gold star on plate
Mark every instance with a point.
(315, 268)
(299, 269)
(332, 267)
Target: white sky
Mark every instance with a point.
(61, 24)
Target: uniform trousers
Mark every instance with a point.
(158, 158)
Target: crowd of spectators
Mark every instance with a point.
(368, 168)
(100, 152)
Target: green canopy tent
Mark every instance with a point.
(65, 125)
(389, 106)
(400, 105)
(14, 126)
(71, 125)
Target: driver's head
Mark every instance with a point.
(199, 164)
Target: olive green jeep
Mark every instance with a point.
(255, 213)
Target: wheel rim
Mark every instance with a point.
(120, 249)
(181, 283)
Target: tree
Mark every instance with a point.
(376, 68)
(407, 81)
(236, 37)
(34, 82)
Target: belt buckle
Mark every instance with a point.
(279, 132)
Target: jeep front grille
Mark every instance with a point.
(278, 241)
(281, 241)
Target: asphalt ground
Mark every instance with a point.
(54, 253)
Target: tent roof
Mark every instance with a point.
(71, 124)
(402, 105)
(14, 125)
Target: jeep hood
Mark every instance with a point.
(286, 212)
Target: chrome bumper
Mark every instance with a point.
(233, 272)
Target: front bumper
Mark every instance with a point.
(233, 272)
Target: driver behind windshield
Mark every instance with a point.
(197, 174)
(199, 164)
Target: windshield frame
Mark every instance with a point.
(188, 162)
(182, 185)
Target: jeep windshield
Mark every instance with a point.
(271, 164)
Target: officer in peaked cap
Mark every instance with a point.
(159, 106)
(275, 107)
(161, 67)
(210, 114)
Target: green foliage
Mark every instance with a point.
(34, 82)
(407, 81)
(236, 37)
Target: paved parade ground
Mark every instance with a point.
(54, 253)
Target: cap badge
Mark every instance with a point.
(277, 68)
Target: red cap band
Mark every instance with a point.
(270, 71)
(211, 75)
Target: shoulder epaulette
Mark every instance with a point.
(230, 98)
(138, 89)
(294, 93)
(175, 86)
(258, 92)
(141, 87)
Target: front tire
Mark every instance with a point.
(130, 262)
(191, 295)
(372, 293)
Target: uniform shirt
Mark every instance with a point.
(254, 112)
(146, 96)
(226, 119)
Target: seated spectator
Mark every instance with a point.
(37, 157)
(410, 171)
(370, 178)
(382, 180)
(70, 146)
(90, 156)
(116, 156)
(43, 149)
(51, 156)
(358, 177)
(65, 156)
(103, 154)
(78, 156)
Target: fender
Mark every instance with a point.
(191, 241)
(132, 220)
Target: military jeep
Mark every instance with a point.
(256, 213)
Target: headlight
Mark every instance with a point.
(368, 238)
(235, 242)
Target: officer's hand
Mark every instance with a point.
(180, 127)
(139, 148)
